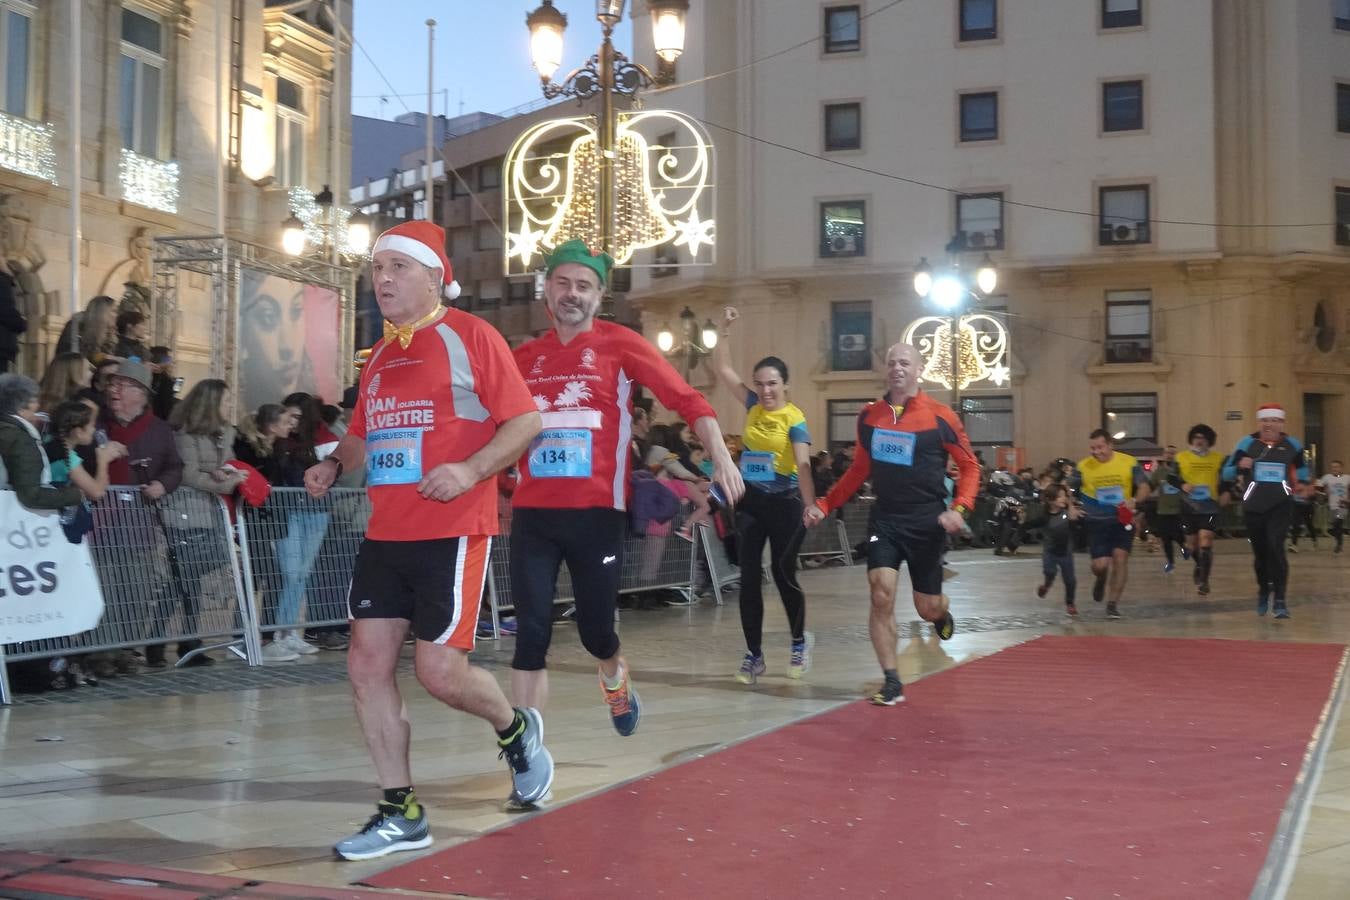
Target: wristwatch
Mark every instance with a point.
(334, 459)
(958, 508)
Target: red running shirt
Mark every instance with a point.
(584, 390)
(438, 401)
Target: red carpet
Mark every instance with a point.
(1065, 767)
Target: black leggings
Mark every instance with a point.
(1267, 531)
(777, 518)
(1303, 518)
(590, 541)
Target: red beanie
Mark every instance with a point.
(424, 242)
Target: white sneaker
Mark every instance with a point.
(296, 641)
(278, 651)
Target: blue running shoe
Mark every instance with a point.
(1168, 567)
(1281, 611)
(625, 708)
(1263, 604)
(530, 762)
(388, 831)
(752, 667)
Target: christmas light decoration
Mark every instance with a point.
(147, 182)
(322, 221)
(981, 349)
(662, 189)
(27, 148)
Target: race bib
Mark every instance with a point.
(1269, 472)
(561, 453)
(1201, 492)
(394, 456)
(894, 447)
(757, 466)
(1111, 496)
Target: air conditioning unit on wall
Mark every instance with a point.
(852, 342)
(844, 243)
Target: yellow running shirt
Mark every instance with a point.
(1106, 485)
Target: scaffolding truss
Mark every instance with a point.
(223, 260)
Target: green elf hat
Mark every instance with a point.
(576, 251)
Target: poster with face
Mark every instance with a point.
(289, 336)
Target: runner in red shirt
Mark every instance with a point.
(573, 488)
(439, 412)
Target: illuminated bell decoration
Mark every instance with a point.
(661, 193)
(982, 350)
(317, 219)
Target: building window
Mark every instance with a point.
(458, 187)
(979, 20)
(1122, 13)
(464, 302)
(620, 281)
(979, 221)
(843, 126)
(843, 229)
(1343, 216)
(16, 37)
(979, 116)
(141, 79)
(291, 126)
(519, 293)
(1342, 15)
(988, 420)
(843, 416)
(1130, 416)
(1343, 108)
(1129, 326)
(486, 237)
(490, 176)
(1123, 106)
(489, 295)
(1124, 215)
(851, 325)
(843, 29)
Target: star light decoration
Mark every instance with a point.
(982, 349)
(662, 188)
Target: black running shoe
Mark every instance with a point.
(1099, 589)
(1113, 611)
(1041, 589)
(946, 627)
(1263, 604)
(1281, 611)
(1203, 587)
(891, 693)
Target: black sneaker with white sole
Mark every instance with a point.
(891, 693)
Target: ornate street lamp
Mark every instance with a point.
(607, 74)
(949, 288)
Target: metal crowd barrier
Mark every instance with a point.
(721, 570)
(650, 562)
(299, 553)
(168, 573)
(854, 515)
(826, 541)
(180, 571)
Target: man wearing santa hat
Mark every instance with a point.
(440, 410)
(1270, 462)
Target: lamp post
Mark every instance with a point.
(694, 342)
(949, 288)
(607, 74)
(336, 237)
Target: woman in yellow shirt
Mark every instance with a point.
(777, 445)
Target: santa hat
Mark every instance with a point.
(1269, 411)
(424, 242)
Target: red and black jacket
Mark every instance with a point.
(918, 488)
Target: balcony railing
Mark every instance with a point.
(147, 182)
(26, 147)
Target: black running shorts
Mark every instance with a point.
(1194, 523)
(1105, 536)
(436, 585)
(920, 542)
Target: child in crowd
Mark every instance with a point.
(1057, 544)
